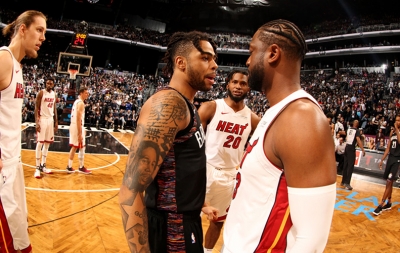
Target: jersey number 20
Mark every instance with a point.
(233, 142)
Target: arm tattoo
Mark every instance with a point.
(167, 139)
(166, 114)
(151, 142)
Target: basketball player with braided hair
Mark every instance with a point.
(285, 189)
(167, 155)
(27, 34)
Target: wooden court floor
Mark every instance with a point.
(80, 213)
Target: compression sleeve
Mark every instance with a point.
(311, 211)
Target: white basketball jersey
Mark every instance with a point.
(227, 135)
(74, 112)
(11, 99)
(259, 218)
(47, 104)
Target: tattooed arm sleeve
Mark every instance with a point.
(161, 117)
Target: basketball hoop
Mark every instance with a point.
(72, 73)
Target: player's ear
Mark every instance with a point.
(274, 53)
(180, 63)
(22, 29)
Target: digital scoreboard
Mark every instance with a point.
(79, 40)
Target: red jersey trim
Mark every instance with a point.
(273, 238)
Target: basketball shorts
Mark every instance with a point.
(220, 185)
(392, 167)
(46, 133)
(173, 232)
(13, 206)
(73, 136)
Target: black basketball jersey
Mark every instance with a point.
(180, 184)
(394, 145)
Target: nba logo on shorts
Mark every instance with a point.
(193, 238)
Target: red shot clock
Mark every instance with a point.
(79, 40)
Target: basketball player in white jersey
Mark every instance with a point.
(46, 125)
(27, 34)
(285, 189)
(228, 124)
(77, 132)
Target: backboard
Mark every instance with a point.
(81, 62)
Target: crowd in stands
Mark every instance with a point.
(317, 48)
(342, 25)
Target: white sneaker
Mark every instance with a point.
(37, 174)
(45, 170)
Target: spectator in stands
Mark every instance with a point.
(379, 136)
(382, 145)
(371, 144)
(362, 137)
(365, 121)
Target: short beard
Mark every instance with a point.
(256, 77)
(236, 99)
(195, 80)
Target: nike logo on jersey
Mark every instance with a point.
(224, 112)
(16, 72)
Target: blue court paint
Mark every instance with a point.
(344, 206)
(348, 202)
(366, 210)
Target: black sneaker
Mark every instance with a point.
(386, 207)
(348, 187)
(70, 170)
(378, 210)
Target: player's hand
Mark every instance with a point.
(211, 212)
(38, 128)
(55, 127)
(380, 165)
(363, 153)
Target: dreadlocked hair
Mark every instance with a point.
(286, 35)
(180, 44)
